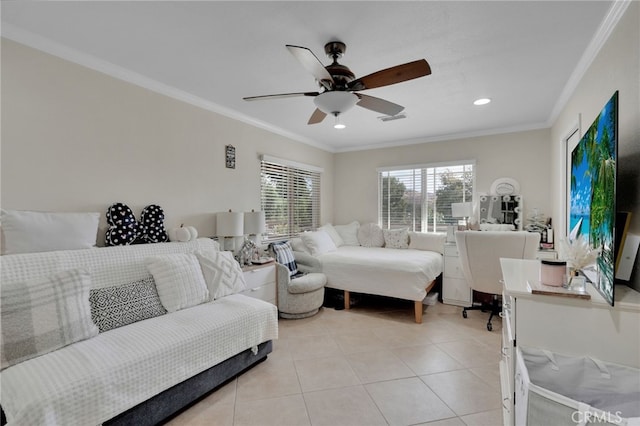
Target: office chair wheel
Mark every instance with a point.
(464, 313)
(489, 326)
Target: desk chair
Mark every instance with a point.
(480, 253)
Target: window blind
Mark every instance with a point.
(420, 197)
(290, 198)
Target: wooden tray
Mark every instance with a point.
(536, 287)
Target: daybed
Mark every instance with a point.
(367, 259)
(145, 371)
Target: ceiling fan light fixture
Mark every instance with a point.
(481, 101)
(335, 102)
(338, 125)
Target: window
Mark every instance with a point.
(290, 194)
(420, 197)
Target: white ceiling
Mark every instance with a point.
(524, 55)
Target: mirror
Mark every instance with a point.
(501, 210)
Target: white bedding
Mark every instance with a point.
(93, 380)
(382, 271)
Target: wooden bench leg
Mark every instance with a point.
(418, 310)
(347, 300)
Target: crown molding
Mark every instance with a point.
(444, 138)
(46, 45)
(609, 23)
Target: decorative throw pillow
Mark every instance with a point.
(348, 233)
(329, 229)
(123, 229)
(30, 232)
(396, 238)
(431, 241)
(222, 273)
(370, 235)
(152, 224)
(113, 307)
(318, 242)
(284, 256)
(179, 280)
(44, 314)
(298, 245)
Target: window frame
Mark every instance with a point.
(293, 174)
(424, 222)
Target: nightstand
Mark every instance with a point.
(261, 282)
(455, 290)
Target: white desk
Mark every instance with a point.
(564, 325)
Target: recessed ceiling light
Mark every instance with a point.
(481, 101)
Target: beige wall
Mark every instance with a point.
(523, 156)
(74, 139)
(616, 67)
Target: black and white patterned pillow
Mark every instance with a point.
(124, 229)
(113, 307)
(284, 256)
(152, 224)
(123, 226)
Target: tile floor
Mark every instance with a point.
(371, 365)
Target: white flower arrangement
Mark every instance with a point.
(578, 254)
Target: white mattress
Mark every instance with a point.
(91, 381)
(386, 272)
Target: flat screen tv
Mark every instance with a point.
(592, 204)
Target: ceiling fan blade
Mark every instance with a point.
(378, 105)
(312, 64)
(316, 117)
(393, 75)
(281, 95)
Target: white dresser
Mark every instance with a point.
(564, 325)
(261, 282)
(455, 290)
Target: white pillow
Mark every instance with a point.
(329, 229)
(431, 241)
(396, 238)
(29, 232)
(298, 245)
(370, 235)
(222, 273)
(179, 280)
(318, 242)
(44, 314)
(348, 233)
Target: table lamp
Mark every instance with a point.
(254, 225)
(228, 226)
(461, 210)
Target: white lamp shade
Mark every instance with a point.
(229, 224)
(335, 102)
(461, 209)
(254, 223)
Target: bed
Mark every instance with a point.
(407, 273)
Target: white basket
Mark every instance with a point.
(554, 389)
(430, 299)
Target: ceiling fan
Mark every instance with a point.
(340, 87)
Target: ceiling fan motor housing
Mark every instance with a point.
(341, 74)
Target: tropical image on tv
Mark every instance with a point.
(593, 194)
